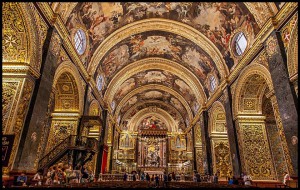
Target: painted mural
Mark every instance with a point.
(217, 21)
(158, 44)
(127, 114)
(154, 95)
(152, 122)
(158, 77)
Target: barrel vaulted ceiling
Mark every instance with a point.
(170, 56)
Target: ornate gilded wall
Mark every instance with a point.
(256, 156)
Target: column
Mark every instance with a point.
(231, 132)
(283, 159)
(28, 146)
(286, 97)
(206, 143)
(101, 143)
(112, 149)
(198, 149)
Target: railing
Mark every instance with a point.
(72, 142)
(119, 177)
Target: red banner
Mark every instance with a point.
(104, 159)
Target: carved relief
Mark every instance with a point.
(60, 130)
(287, 30)
(282, 134)
(257, 157)
(222, 160)
(20, 117)
(14, 38)
(197, 135)
(9, 90)
(271, 46)
(199, 160)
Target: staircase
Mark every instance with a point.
(73, 145)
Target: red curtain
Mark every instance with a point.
(104, 159)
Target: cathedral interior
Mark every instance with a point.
(155, 87)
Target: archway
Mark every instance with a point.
(66, 108)
(220, 148)
(257, 135)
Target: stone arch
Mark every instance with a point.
(156, 63)
(67, 66)
(154, 102)
(162, 114)
(292, 56)
(255, 151)
(248, 71)
(164, 25)
(94, 108)
(215, 109)
(156, 87)
(218, 135)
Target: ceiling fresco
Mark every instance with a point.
(158, 77)
(158, 44)
(126, 114)
(217, 21)
(154, 94)
(152, 122)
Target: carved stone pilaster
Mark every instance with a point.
(256, 157)
(286, 98)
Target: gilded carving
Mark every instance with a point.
(222, 162)
(271, 46)
(14, 38)
(9, 90)
(60, 129)
(197, 134)
(199, 160)
(20, 117)
(281, 134)
(256, 155)
(287, 30)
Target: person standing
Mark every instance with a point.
(37, 179)
(215, 179)
(165, 179)
(156, 181)
(142, 176)
(134, 177)
(125, 177)
(198, 177)
(147, 177)
(286, 177)
(247, 179)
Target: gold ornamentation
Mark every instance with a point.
(282, 135)
(157, 87)
(14, 38)
(197, 135)
(256, 154)
(60, 129)
(260, 11)
(156, 63)
(160, 24)
(222, 161)
(9, 90)
(271, 46)
(287, 30)
(199, 160)
(20, 117)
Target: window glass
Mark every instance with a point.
(80, 41)
(240, 43)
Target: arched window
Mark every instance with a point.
(80, 41)
(212, 83)
(100, 82)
